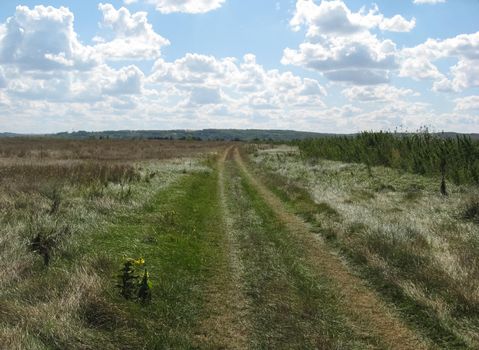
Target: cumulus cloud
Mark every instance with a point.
(360, 60)
(418, 62)
(419, 68)
(43, 38)
(133, 36)
(81, 86)
(340, 44)
(469, 103)
(334, 17)
(208, 80)
(45, 77)
(187, 6)
(126, 81)
(379, 93)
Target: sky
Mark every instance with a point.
(336, 66)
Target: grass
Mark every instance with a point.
(292, 307)
(71, 211)
(470, 210)
(92, 212)
(416, 248)
(179, 253)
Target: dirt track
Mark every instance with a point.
(367, 313)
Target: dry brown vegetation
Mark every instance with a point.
(54, 194)
(418, 248)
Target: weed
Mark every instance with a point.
(144, 290)
(129, 278)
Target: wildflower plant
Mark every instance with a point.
(131, 286)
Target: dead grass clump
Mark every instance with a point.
(470, 210)
(413, 193)
(46, 235)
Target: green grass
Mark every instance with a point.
(173, 222)
(370, 224)
(179, 252)
(292, 307)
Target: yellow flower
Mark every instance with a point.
(139, 261)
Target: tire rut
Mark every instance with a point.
(367, 312)
(228, 326)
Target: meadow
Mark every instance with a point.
(416, 247)
(247, 246)
(67, 209)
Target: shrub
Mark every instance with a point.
(421, 153)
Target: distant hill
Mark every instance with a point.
(8, 134)
(206, 134)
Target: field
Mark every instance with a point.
(246, 247)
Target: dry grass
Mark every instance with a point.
(62, 192)
(417, 247)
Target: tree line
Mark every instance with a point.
(456, 159)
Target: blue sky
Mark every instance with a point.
(328, 66)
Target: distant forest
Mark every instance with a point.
(206, 135)
(198, 135)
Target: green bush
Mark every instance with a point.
(421, 153)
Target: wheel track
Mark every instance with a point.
(368, 313)
(228, 325)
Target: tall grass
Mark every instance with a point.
(56, 198)
(418, 249)
(421, 153)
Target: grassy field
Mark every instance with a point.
(415, 247)
(247, 247)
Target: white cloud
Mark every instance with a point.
(339, 43)
(45, 70)
(76, 86)
(429, 1)
(127, 81)
(3, 79)
(397, 24)
(206, 80)
(334, 17)
(419, 68)
(133, 36)
(417, 62)
(379, 93)
(187, 6)
(469, 103)
(360, 60)
(43, 38)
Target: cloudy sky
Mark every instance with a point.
(327, 66)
